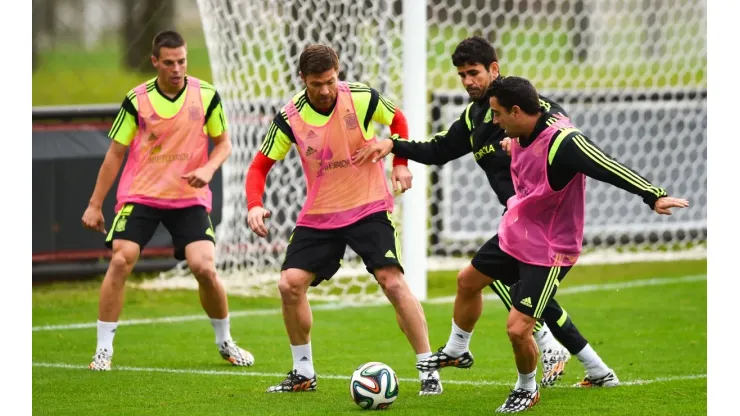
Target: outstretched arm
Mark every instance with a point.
(443, 147)
(574, 152)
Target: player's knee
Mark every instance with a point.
(467, 284)
(516, 333)
(203, 268)
(204, 272)
(123, 259)
(292, 284)
(518, 329)
(390, 280)
(120, 265)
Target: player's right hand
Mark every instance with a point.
(506, 145)
(663, 205)
(376, 151)
(93, 219)
(256, 220)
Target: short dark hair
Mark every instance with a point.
(166, 39)
(317, 59)
(511, 91)
(474, 50)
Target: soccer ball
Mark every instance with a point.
(374, 385)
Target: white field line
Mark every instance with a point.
(338, 377)
(338, 306)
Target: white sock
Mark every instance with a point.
(302, 360)
(544, 339)
(459, 342)
(595, 367)
(222, 328)
(106, 332)
(424, 375)
(527, 381)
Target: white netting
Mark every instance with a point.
(632, 74)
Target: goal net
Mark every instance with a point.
(631, 73)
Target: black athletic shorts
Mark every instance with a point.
(531, 287)
(374, 238)
(137, 223)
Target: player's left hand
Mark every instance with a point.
(199, 177)
(401, 178)
(663, 205)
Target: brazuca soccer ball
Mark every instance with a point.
(374, 385)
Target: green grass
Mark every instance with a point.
(72, 76)
(69, 75)
(643, 333)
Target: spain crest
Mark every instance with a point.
(194, 112)
(350, 121)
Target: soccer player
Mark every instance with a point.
(540, 236)
(477, 65)
(346, 205)
(164, 124)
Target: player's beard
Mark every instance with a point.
(324, 102)
(478, 93)
(474, 93)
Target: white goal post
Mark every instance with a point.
(632, 75)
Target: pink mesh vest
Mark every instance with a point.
(541, 226)
(338, 193)
(163, 150)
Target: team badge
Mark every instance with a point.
(350, 121)
(194, 113)
(121, 224)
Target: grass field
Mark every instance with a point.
(73, 76)
(70, 75)
(648, 322)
